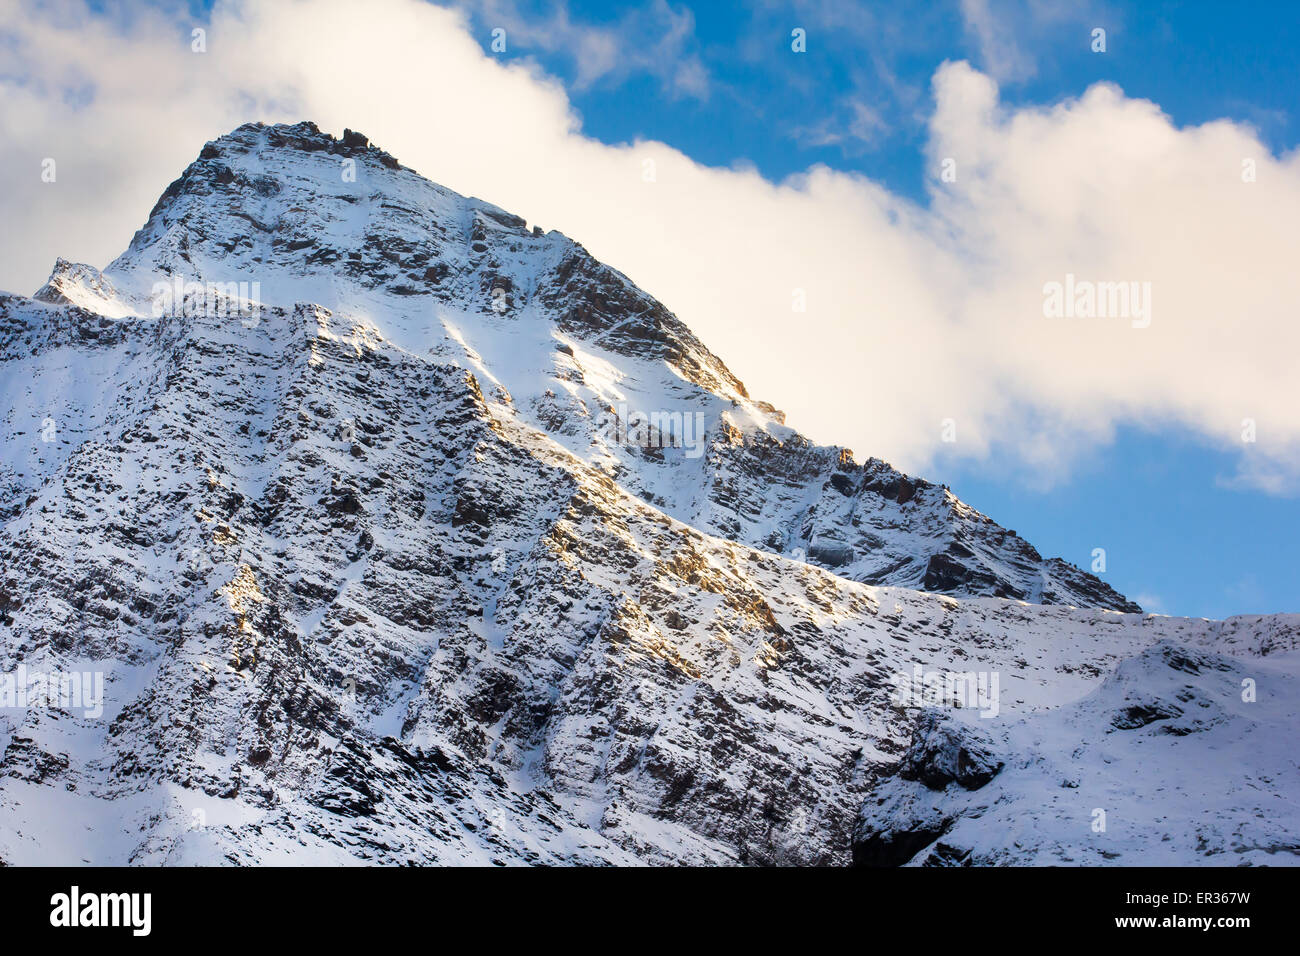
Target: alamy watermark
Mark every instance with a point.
(57, 690)
(189, 298)
(130, 910)
(1085, 299)
(656, 429)
(977, 690)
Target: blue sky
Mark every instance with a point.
(1175, 536)
(719, 82)
(1198, 60)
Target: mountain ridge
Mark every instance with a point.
(370, 579)
(952, 548)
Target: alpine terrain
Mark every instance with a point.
(393, 530)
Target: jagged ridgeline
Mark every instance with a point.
(399, 531)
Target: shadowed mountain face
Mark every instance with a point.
(400, 532)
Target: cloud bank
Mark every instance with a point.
(918, 324)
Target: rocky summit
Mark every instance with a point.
(392, 530)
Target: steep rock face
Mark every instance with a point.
(871, 523)
(343, 225)
(370, 576)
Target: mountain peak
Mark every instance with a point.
(341, 223)
(451, 544)
(304, 136)
(288, 214)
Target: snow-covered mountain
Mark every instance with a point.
(1177, 750)
(401, 532)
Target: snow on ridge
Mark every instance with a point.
(376, 573)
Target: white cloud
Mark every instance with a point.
(1151, 603)
(914, 315)
(857, 123)
(993, 34)
(655, 39)
(1004, 32)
